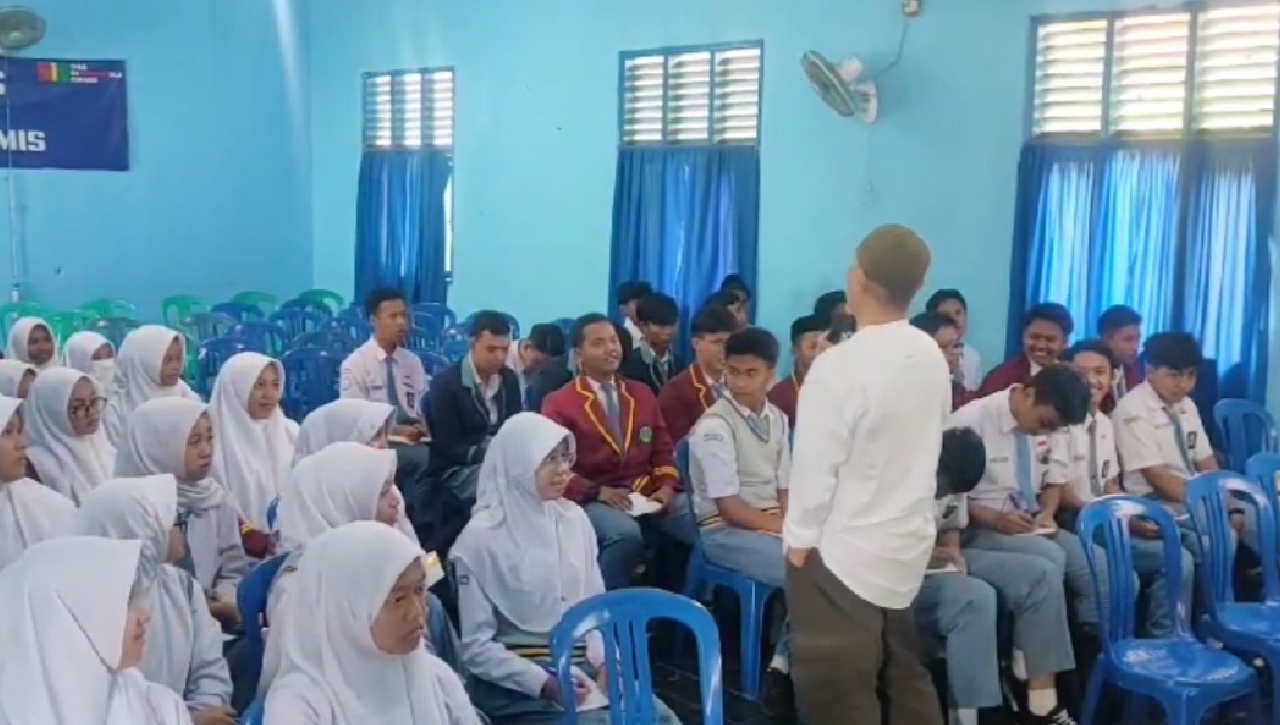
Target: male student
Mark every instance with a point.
(629, 295)
(958, 602)
(653, 361)
(944, 330)
(737, 284)
(732, 301)
(1121, 330)
(829, 304)
(1095, 463)
(545, 342)
(739, 465)
(621, 447)
(806, 332)
(952, 304)
(1046, 330)
(688, 395)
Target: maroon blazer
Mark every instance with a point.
(785, 395)
(643, 461)
(960, 395)
(684, 399)
(1004, 376)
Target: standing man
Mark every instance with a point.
(860, 528)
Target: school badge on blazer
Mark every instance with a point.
(646, 434)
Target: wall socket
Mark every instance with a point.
(911, 8)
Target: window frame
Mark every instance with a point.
(666, 52)
(1106, 133)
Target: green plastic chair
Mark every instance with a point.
(67, 323)
(332, 300)
(192, 373)
(263, 301)
(175, 309)
(107, 307)
(10, 314)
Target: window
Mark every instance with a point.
(1160, 74)
(691, 96)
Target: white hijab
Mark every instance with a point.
(327, 641)
(29, 511)
(533, 558)
(68, 463)
(144, 510)
(20, 337)
(345, 419)
(155, 441)
(137, 378)
(63, 609)
(11, 374)
(78, 353)
(336, 486)
(251, 458)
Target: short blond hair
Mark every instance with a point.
(895, 259)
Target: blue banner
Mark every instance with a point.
(63, 114)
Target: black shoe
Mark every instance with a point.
(779, 696)
(1056, 716)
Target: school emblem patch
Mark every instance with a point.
(1106, 469)
(409, 399)
(646, 434)
(1191, 439)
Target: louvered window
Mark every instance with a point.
(1158, 74)
(691, 96)
(408, 109)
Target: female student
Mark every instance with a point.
(253, 443)
(174, 436)
(93, 355)
(16, 378)
(29, 512)
(525, 557)
(31, 340)
(351, 641)
(184, 648)
(69, 452)
(345, 419)
(74, 628)
(150, 364)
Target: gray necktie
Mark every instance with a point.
(611, 410)
(1095, 481)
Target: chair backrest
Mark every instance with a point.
(213, 355)
(107, 307)
(251, 597)
(240, 311)
(332, 301)
(1265, 469)
(1209, 498)
(176, 308)
(308, 305)
(333, 339)
(267, 338)
(296, 321)
(208, 325)
(623, 618)
(115, 328)
(262, 300)
(1105, 521)
(311, 380)
(455, 350)
(460, 331)
(420, 339)
(565, 324)
(433, 362)
(356, 328)
(1246, 428)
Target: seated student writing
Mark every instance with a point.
(622, 448)
(16, 378)
(1096, 463)
(33, 512)
(951, 303)
(944, 330)
(653, 361)
(1121, 330)
(525, 558)
(545, 343)
(1046, 330)
(31, 341)
(806, 332)
(688, 395)
(958, 601)
(629, 295)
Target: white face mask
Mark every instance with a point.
(104, 372)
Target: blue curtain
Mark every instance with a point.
(683, 218)
(1181, 232)
(401, 226)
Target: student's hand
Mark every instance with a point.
(1143, 528)
(614, 497)
(227, 613)
(551, 689)
(602, 682)
(664, 496)
(797, 557)
(214, 716)
(1044, 520)
(408, 432)
(1013, 523)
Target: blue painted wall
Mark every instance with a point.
(218, 197)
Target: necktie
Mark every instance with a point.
(1180, 436)
(1122, 384)
(1024, 460)
(1095, 480)
(393, 392)
(611, 411)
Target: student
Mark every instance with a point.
(953, 304)
(545, 342)
(31, 512)
(69, 451)
(737, 285)
(553, 374)
(93, 355)
(16, 378)
(622, 447)
(629, 295)
(806, 334)
(828, 305)
(351, 641)
(1012, 508)
(525, 558)
(345, 419)
(151, 362)
(74, 624)
(253, 443)
(1046, 330)
(469, 403)
(184, 649)
(31, 340)
(958, 601)
(1096, 465)
(174, 436)
(688, 395)
(1121, 329)
(653, 361)
(740, 466)
(946, 332)
(731, 302)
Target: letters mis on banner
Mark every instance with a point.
(63, 114)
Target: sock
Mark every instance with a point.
(1019, 665)
(780, 664)
(1041, 702)
(964, 717)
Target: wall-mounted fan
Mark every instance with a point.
(845, 87)
(20, 28)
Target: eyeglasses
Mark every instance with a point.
(82, 408)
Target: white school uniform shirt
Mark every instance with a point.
(364, 375)
(636, 335)
(1146, 437)
(970, 368)
(1089, 475)
(711, 445)
(865, 460)
(993, 421)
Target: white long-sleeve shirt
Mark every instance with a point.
(865, 460)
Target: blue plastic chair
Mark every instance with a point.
(265, 337)
(295, 321)
(208, 325)
(311, 380)
(565, 324)
(623, 618)
(255, 712)
(356, 328)
(251, 599)
(420, 339)
(1185, 676)
(1265, 469)
(433, 362)
(461, 331)
(305, 305)
(753, 596)
(330, 338)
(213, 355)
(115, 328)
(239, 311)
(1246, 427)
(455, 350)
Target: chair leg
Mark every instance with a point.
(753, 609)
(1092, 693)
